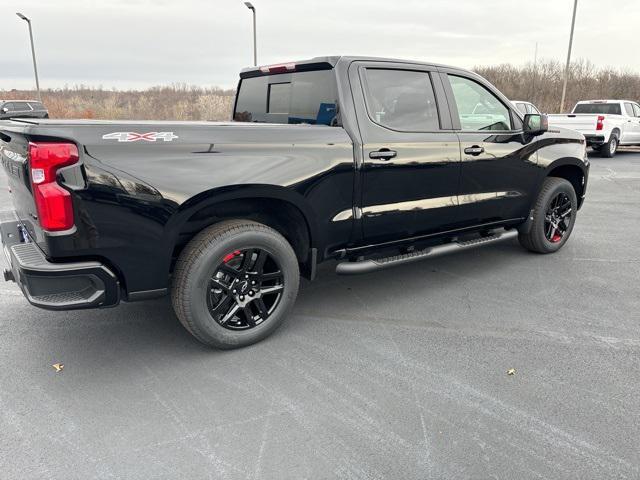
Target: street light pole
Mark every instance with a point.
(566, 70)
(255, 43)
(33, 53)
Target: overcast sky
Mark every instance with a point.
(140, 43)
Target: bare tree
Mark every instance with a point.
(542, 85)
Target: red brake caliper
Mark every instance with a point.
(230, 256)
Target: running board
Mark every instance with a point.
(366, 266)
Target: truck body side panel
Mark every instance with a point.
(138, 194)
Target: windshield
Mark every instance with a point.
(302, 97)
(604, 108)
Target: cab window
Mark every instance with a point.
(478, 108)
(629, 109)
(16, 106)
(598, 108)
(401, 100)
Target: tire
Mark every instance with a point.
(542, 238)
(609, 149)
(210, 274)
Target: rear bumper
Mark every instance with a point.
(594, 139)
(56, 286)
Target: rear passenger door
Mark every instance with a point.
(411, 159)
(498, 168)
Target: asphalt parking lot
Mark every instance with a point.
(397, 374)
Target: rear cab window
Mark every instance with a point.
(598, 108)
(309, 97)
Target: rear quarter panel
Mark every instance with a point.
(139, 194)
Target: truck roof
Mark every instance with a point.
(328, 62)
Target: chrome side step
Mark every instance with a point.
(366, 266)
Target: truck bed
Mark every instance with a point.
(580, 122)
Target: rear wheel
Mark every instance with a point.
(553, 217)
(608, 150)
(235, 283)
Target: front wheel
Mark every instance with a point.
(554, 215)
(235, 283)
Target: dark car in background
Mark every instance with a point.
(22, 109)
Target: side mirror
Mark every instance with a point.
(4, 110)
(535, 123)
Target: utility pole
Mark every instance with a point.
(33, 54)
(566, 70)
(255, 43)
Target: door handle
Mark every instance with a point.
(475, 150)
(383, 154)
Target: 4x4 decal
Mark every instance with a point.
(134, 136)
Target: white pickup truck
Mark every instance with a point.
(606, 124)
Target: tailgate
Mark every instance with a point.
(583, 123)
(14, 155)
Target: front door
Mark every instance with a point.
(499, 164)
(411, 158)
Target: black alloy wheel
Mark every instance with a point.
(245, 289)
(235, 283)
(557, 218)
(552, 217)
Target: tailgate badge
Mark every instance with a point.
(134, 136)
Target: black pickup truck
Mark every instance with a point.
(373, 162)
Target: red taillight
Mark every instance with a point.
(53, 203)
(282, 68)
(600, 122)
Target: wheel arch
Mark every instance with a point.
(280, 208)
(573, 171)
